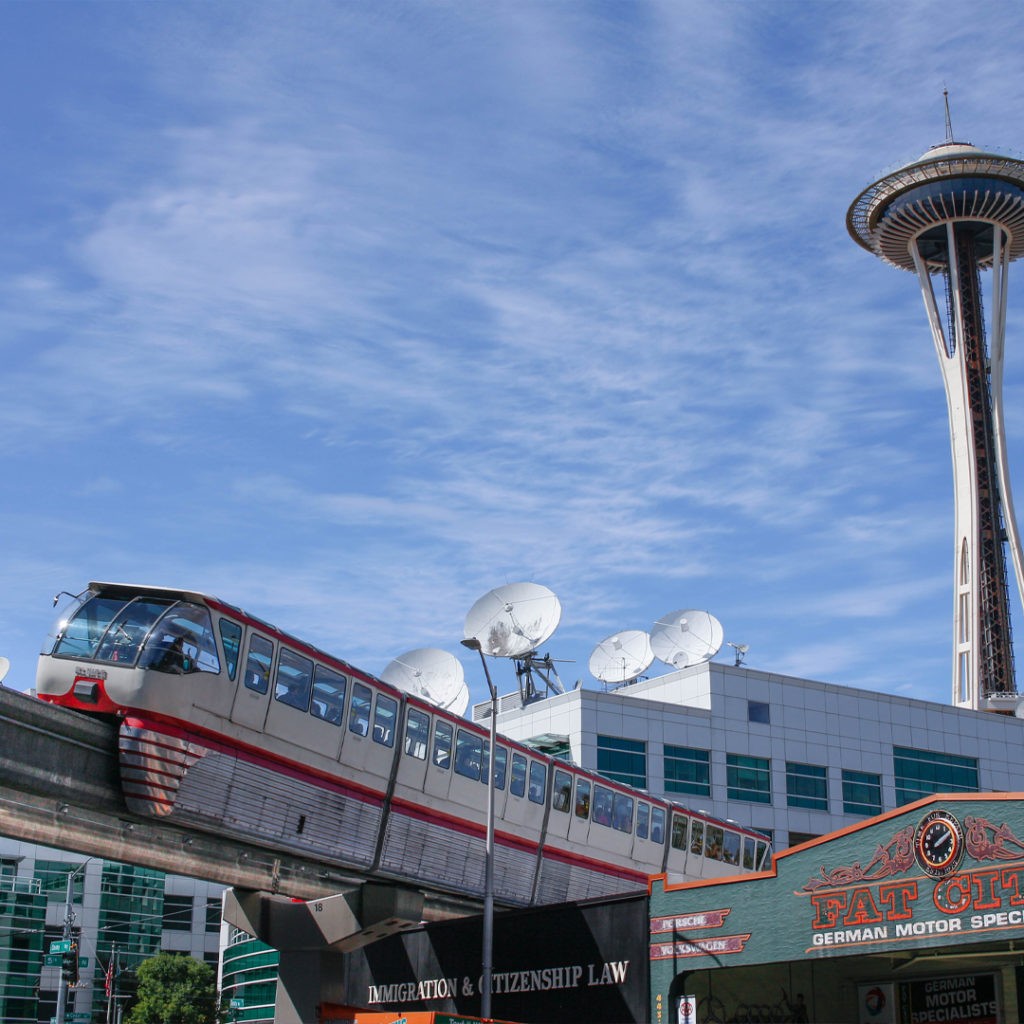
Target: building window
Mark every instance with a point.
(177, 913)
(748, 778)
(687, 770)
(53, 879)
(622, 760)
(213, 914)
(758, 711)
(806, 786)
(862, 793)
(797, 838)
(920, 772)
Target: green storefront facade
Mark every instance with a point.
(914, 917)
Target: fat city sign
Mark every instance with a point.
(943, 871)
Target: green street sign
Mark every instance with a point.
(78, 1016)
(51, 960)
(61, 946)
(83, 961)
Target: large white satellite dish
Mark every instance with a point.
(621, 656)
(513, 620)
(686, 637)
(432, 674)
(5, 667)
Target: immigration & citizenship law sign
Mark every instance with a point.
(945, 871)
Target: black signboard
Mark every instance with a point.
(587, 961)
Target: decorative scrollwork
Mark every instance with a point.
(890, 859)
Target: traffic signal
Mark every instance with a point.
(69, 965)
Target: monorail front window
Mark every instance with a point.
(129, 629)
(181, 641)
(81, 634)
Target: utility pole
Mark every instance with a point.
(65, 972)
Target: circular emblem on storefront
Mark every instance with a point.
(939, 843)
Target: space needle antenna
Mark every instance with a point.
(946, 217)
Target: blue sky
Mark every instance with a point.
(348, 313)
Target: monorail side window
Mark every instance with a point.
(679, 823)
(231, 641)
(257, 664)
(517, 787)
(538, 781)
(561, 791)
(582, 799)
(658, 825)
(130, 628)
(642, 814)
(500, 766)
(417, 733)
(469, 755)
(385, 716)
(622, 813)
(603, 806)
(328, 695)
(359, 710)
(713, 842)
(294, 683)
(748, 853)
(697, 837)
(443, 735)
(731, 848)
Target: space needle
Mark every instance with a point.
(956, 211)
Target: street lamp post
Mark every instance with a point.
(488, 920)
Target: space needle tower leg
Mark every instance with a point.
(948, 216)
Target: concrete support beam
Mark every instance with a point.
(311, 937)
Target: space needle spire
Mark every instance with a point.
(955, 212)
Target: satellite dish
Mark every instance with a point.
(513, 620)
(432, 674)
(5, 667)
(686, 637)
(621, 657)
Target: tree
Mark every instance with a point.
(174, 989)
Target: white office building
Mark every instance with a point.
(792, 757)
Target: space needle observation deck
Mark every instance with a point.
(956, 211)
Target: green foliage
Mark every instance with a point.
(174, 989)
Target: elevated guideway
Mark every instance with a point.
(59, 786)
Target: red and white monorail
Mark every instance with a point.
(229, 725)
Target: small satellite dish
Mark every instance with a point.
(513, 620)
(686, 637)
(432, 674)
(621, 656)
(5, 667)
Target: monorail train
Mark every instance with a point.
(231, 726)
